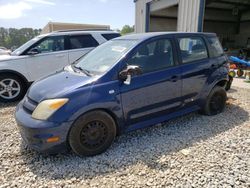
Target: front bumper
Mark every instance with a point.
(36, 132)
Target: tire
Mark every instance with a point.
(92, 133)
(216, 101)
(12, 88)
(240, 73)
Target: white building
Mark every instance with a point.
(230, 19)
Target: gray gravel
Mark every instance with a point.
(190, 151)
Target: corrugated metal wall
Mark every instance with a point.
(188, 14)
(140, 15)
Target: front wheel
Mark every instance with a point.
(216, 101)
(92, 133)
(12, 88)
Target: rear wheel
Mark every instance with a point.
(92, 133)
(216, 101)
(12, 88)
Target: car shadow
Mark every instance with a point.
(145, 146)
(232, 90)
(7, 105)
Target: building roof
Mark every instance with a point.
(57, 26)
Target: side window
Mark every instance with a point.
(82, 41)
(110, 36)
(51, 44)
(216, 49)
(192, 49)
(153, 56)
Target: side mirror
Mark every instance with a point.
(225, 49)
(127, 74)
(33, 51)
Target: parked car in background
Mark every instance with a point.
(4, 51)
(127, 83)
(44, 55)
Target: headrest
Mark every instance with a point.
(198, 47)
(143, 50)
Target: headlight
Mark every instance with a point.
(46, 108)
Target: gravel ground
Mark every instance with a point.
(190, 151)
(241, 83)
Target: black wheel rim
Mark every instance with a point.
(217, 103)
(93, 134)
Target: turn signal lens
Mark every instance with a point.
(57, 104)
(53, 139)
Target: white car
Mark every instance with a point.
(4, 51)
(42, 56)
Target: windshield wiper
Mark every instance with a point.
(82, 70)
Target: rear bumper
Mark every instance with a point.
(35, 132)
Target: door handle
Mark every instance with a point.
(174, 78)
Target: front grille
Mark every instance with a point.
(29, 105)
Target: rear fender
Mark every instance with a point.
(218, 77)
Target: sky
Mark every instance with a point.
(37, 13)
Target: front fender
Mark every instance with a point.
(17, 66)
(94, 97)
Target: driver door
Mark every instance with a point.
(51, 57)
(157, 91)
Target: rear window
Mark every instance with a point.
(110, 36)
(216, 49)
(82, 41)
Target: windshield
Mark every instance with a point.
(19, 50)
(102, 58)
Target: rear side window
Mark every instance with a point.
(192, 49)
(110, 36)
(216, 49)
(82, 41)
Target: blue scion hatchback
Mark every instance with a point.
(125, 84)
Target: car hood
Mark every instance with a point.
(9, 57)
(57, 85)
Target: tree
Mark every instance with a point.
(127, 29)
(3, 36)
(12, 38)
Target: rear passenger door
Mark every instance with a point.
(79, 45)
(157, 91)
(195, 67)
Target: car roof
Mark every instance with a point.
(69, 32)
(144, 36)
